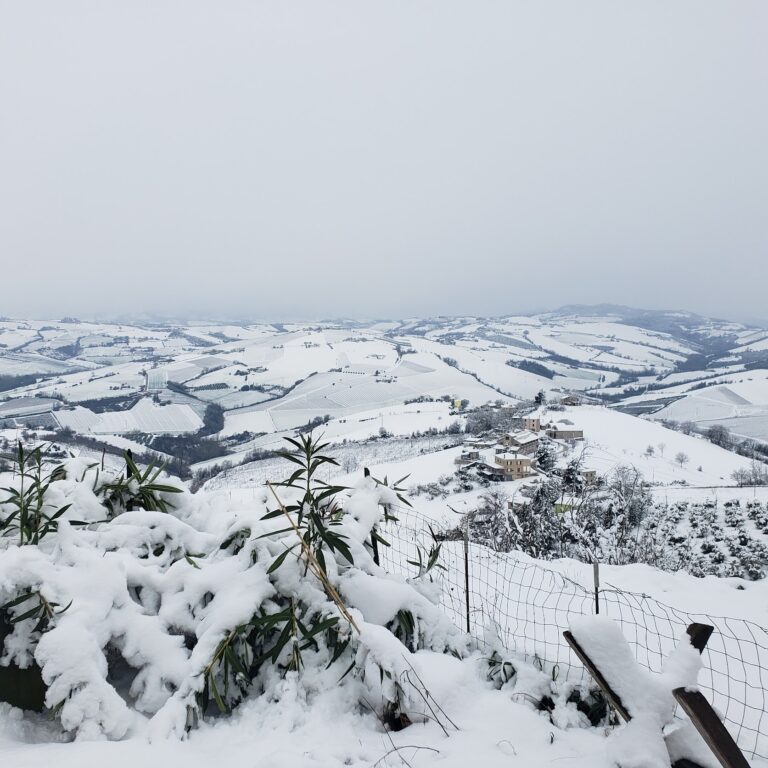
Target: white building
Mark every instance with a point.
(522, 441)
(515, 465)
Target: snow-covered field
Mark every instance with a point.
(145, 416)
(376, 386)
(272, 378)
(613, 438)
(738, 401)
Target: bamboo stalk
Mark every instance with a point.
(316, 569)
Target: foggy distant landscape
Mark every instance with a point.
(109, 381)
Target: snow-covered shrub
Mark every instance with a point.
(734, 517)
(431, 490)
(618, 523)
(568, 703)
(29, 517)
(759, 514)
(153, 603)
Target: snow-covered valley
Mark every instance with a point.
(549, 441)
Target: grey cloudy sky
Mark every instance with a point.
(403, 157)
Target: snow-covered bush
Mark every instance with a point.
(568, 703)
(619, 523)
(143, 601)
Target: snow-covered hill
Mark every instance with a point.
(604, 350)
(397, 378)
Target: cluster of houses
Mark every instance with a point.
(514, 453)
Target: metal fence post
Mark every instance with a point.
(596, 576)
(466, 571)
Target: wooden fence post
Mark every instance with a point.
(708, 723)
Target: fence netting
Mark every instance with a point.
(528, 606)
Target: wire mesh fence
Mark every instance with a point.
(528, 606)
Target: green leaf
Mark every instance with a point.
(274, 533)
(268, 621)
(216, 696)
(295, 443)
(376, 535)
(65, 608)
(163, 488)
(339, 648)
(280, 559)
(237, 665)
(348, 670)
(291, 457)
(345, 551)
(285, 636)
(18, 601)
(28, 615)
(322, 626)
(59, 513)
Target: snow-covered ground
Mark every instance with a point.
(272, 378)
(145, 417)
(612, 438)
(738, 401)
(494, 730)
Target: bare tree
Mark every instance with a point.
(661, 447)
(629, 492)
(741, 477)
(493, 502)
(719, 435)
(757, 474)
(681, 458)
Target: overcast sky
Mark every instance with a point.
(323, 158)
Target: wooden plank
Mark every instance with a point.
(700, 634)
(708, 723)
(711, 728)
(597, 676)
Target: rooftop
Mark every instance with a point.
(510, 456)
(523, 436)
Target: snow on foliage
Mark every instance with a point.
(617, 521)
(141, 600)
